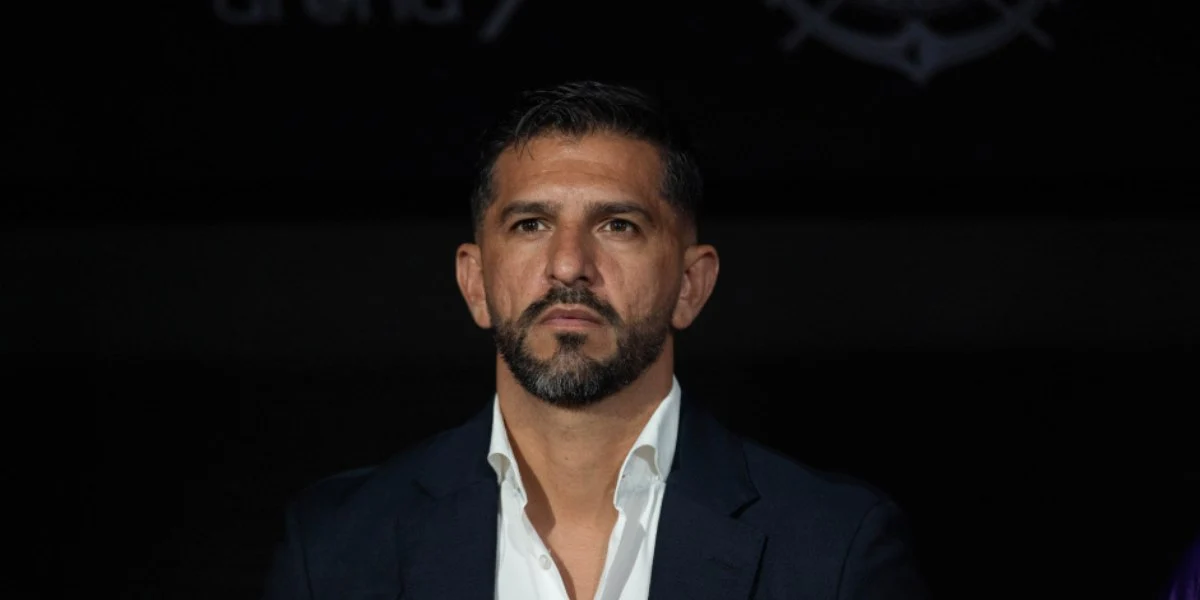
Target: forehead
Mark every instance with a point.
(598, 166)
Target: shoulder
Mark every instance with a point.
(364, 494)
(805, 507)
(789, 497)
(364, 501)
(788, 485)
(845, 535)
(332, 490)
(330, 494)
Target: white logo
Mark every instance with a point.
(918, 38)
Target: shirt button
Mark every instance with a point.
(544, 561)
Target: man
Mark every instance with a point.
(590, 475)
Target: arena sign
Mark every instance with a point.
(918, 38)
(342, 12)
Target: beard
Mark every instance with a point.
(570, 378)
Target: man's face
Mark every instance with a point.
(581, 263)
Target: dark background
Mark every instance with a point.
(228, 272)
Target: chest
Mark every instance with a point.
(557, 561)
(580, 556)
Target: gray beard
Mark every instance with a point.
(570, 378)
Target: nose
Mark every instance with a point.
(572, 258)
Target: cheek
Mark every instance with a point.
(668, 283)
(510, 286)
(648, 288)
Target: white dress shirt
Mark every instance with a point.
(524, 567)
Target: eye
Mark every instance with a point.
(527, 225)
(621, 226)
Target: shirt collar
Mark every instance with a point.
(500, 453)
(656, 442)
(654, 446)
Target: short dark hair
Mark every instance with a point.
(586, 107)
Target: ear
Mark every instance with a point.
(700, 267)
(469, 271)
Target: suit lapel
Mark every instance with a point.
(448, 549)
(700, 554)
(453, 555)
(701, 550)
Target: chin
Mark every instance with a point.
(572, 355)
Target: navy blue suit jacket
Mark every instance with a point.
(738, 521)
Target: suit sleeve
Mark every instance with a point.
(287, 577)
(880, 564)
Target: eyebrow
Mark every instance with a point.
(526, 208)
(594, 210)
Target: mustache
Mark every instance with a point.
(563, 295)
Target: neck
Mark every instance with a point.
(570, 458)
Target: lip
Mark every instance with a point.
(570, 317)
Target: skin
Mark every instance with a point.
(597, 220)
